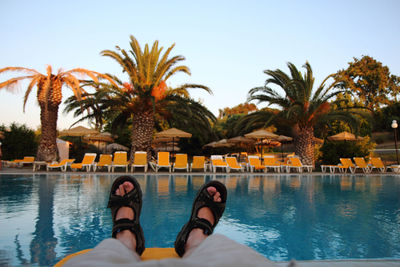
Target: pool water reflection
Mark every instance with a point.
(45, 217)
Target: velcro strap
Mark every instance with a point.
(124, 224)
(117, 201)
(202, 224)
(125, 200)
(215, 207)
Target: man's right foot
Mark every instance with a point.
(207, 209)
(197, 235)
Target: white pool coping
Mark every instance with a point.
(343, 263)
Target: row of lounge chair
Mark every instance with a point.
(359, 163)
(217, 162)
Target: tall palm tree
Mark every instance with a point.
(112, 103)
(49, 96)
(300, 106)
(148, 71)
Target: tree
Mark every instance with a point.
(49, 96)
(370, 81)
(18, 141)
(147, 92)
(301, 107)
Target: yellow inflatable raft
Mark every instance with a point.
(148, 254)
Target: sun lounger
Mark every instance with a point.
(295, 163)
(181, 162)
(62, 165)
(233, 164)
(255, 164)
(217, 161)
(272, 163)
(87, 162)
(394, 168)
(25, 160)
(347, 164)
(361, 164)
(331, 168)
(140, 161)
(199, 162)
(120, 160)
(162, 161)
(376, 163)
(104, 161)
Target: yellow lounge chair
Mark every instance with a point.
(218, 162)
(199, 162)
(255, 164)
(273, 163)
(162, 161)
(347, 164)
(104, 161)
(140, 160)
(87, 162)
(62, 165)
(120, 160)
(233, 164)
(25, 160)
(331, 168)
(376, 163)
(295, 163)
(361, 164)
(181, 162)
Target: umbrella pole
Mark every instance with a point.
(173, 149)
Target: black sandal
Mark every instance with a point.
(132, 199)
(203, 199)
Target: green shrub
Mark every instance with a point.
(332, 151)
(18, 141)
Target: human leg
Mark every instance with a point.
(125, 202)
(217, 250)
(207, 209)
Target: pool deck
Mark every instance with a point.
(311, 263)
(26, 170)
(344, 263)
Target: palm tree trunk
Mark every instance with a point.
(47, 150)
(142, 132)
(304, 145)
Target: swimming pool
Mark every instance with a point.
(45, 217)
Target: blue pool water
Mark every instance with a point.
(305, 217)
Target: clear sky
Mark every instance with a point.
(227, 44)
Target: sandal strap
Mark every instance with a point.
(217, 208)
(202, 224)
(124, 224)
(133, 200)
(126, 200)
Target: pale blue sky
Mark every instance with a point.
(227, 44)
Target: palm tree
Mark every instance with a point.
(147, 91)
(112, 103)
(49, 96)
(89, 107)
(300, 107)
